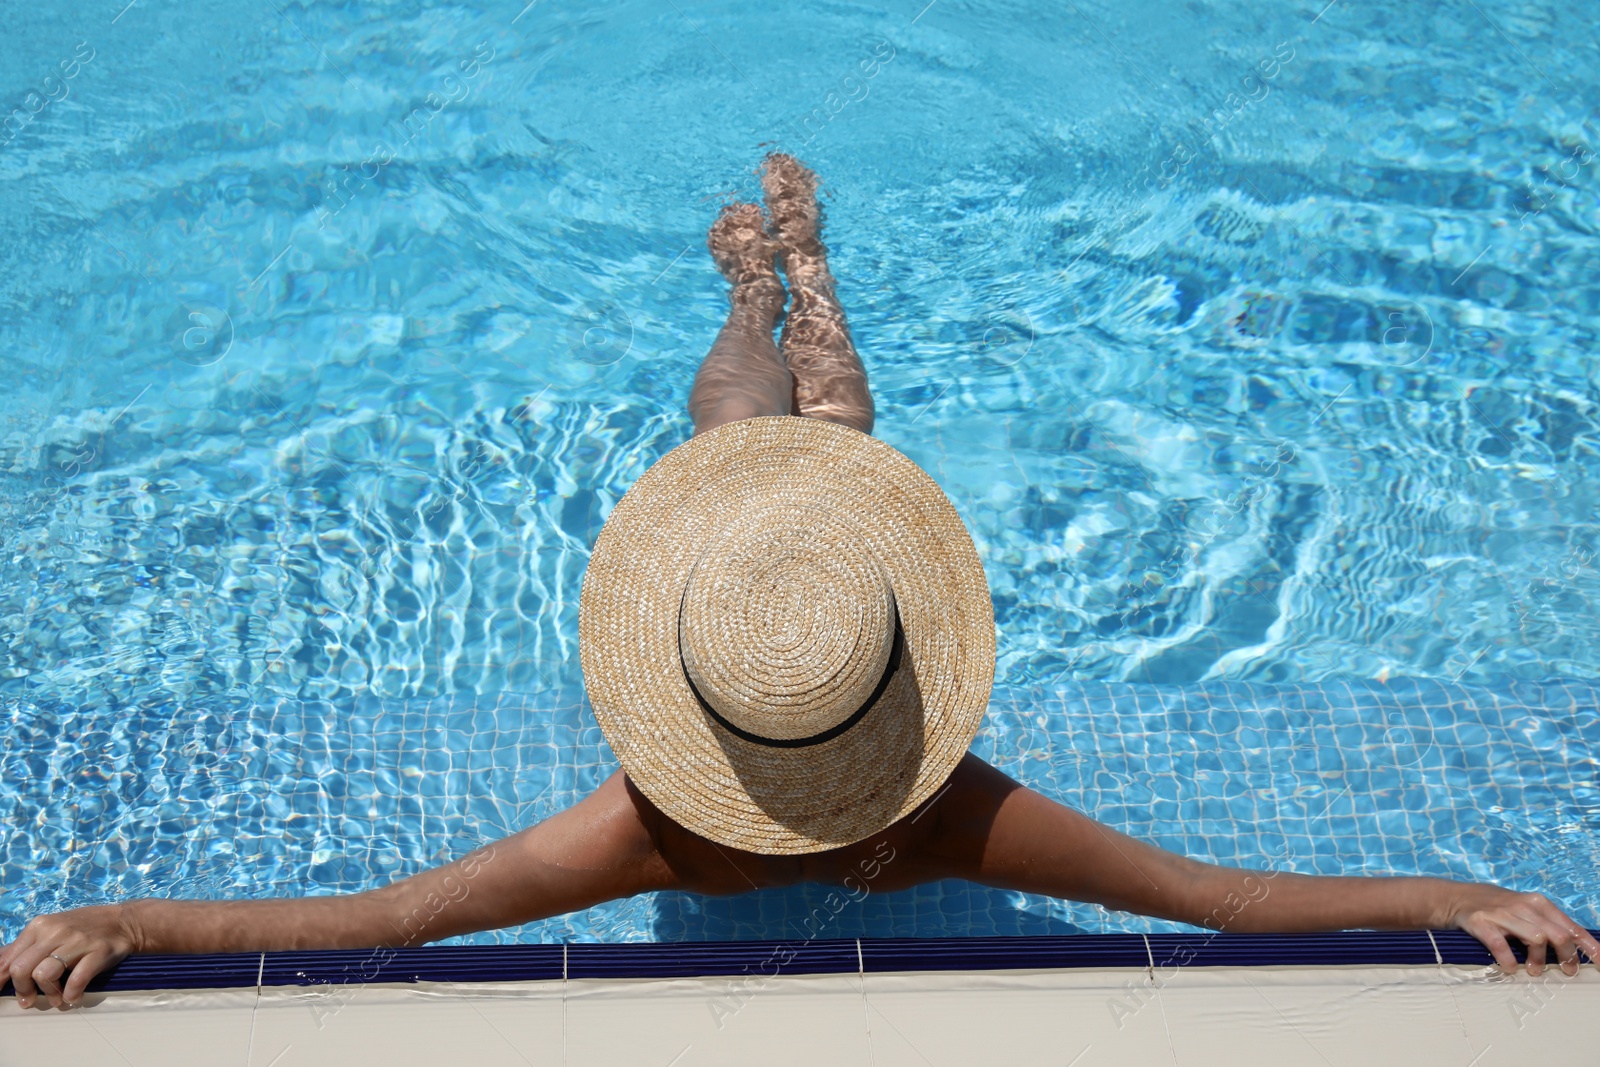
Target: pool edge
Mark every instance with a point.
(696, 959)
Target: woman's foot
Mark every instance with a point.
(743, 375)
(791, 191)
(743, 253)
(829, 380)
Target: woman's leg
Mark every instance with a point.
(743, 376)
(829, 380)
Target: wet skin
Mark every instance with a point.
(982, 826)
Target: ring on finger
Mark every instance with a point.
(65, 966)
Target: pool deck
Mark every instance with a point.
(1446, 1013)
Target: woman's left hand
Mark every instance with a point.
(1491, 914)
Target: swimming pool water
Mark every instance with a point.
(319, 796)
(1255, 347)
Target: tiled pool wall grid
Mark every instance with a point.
(513, 963)
(218, 799)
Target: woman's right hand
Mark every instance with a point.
(84, 942)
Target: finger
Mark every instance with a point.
(1530, 932)
(1591, 947)
(22, 965)
(1581, 939)
(11, 952)
(1538, 954)
(47, 976)
(1563, 940)
(68, 959)
(1495, 942)
(1571, 940)
(83, 972)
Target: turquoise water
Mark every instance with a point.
(1254, 347)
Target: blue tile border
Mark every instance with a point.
(1164, 953)
(461, 963)
(695, 959)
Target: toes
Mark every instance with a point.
(738, 226)
(791, 191)
(739, 243)
(741, 213)
(737, 220)
(788, 174)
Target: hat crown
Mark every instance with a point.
(787, 622)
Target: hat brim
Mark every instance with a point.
(741, 793)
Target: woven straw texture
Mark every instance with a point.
(775, 553)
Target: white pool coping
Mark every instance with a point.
(1451, 1016)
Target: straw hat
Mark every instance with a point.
(786, 635)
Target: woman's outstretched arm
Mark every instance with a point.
(992, 830)
(982, 826)
(599, 849)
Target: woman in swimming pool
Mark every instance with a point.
(787, 638)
